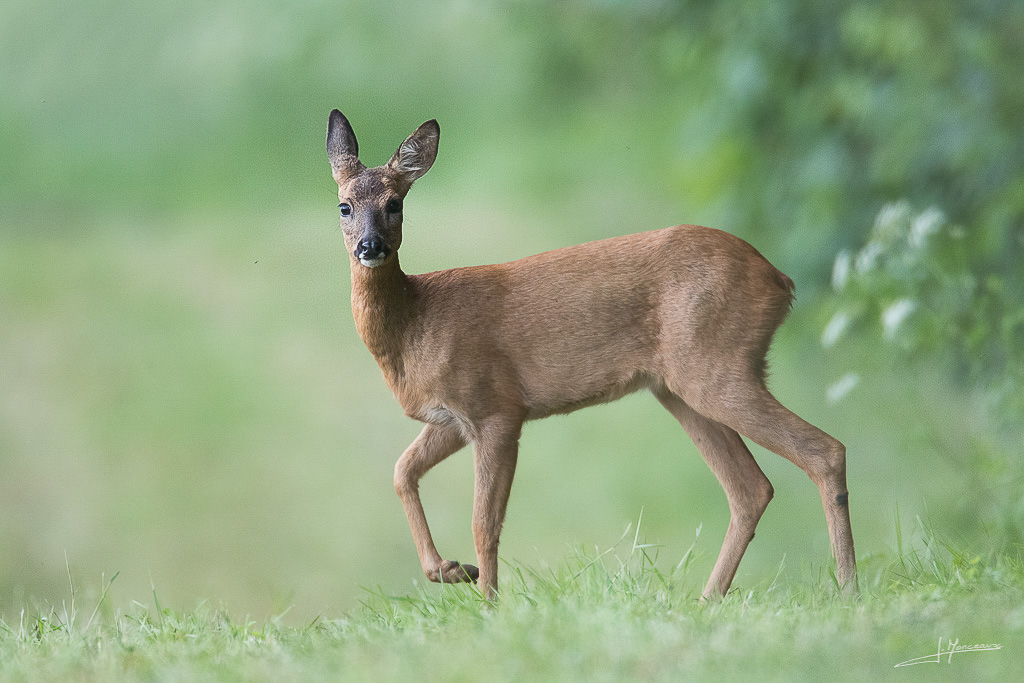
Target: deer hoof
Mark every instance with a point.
(452, 571)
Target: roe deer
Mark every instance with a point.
(686, 312)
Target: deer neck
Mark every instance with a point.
(382, 305)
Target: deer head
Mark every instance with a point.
(371, 198)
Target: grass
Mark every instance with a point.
(601, 616)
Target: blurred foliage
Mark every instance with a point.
(181, 389)
(926, 287)
(941, 297)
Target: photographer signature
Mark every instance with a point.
(945, 653)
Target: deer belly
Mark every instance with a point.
(564, 393)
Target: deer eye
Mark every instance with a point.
(394, 206)
(346, 209)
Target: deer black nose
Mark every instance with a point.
(372, 249)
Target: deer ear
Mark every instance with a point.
(416, 155)
(342, 148)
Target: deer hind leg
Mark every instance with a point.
(434, 444)
(751, 410)
(746, 487)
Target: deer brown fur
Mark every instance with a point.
(685, 312)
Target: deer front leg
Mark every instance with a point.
(496, 452)
(434, 444)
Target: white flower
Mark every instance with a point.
(895, 314)
(867, 256)
(835, 329)
(924, 226)
(841, 270)
(842, 387)
(891, 222)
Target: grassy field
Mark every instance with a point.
(603, 616)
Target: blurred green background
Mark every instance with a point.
(183, 397)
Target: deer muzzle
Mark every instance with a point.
(371, 251)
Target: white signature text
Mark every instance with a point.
(945, 653)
